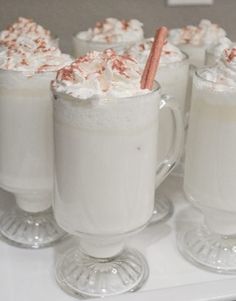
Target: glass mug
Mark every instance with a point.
(106, 174)
(26, 158)
(210, 170)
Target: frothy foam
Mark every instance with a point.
(206, 33)
(112, 30)
(33, 57)
(23, 28)
(28, 47)
(101, 76)
(217, 50)
(222, 76)
(170, 53)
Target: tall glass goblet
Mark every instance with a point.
(106, 175)
(210, 169)
(26, 158)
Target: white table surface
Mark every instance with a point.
(28, 275)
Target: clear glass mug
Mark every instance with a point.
(106, 174)
(26, 158)
(209, 181)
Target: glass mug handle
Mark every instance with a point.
(167, 165)
(191, 72)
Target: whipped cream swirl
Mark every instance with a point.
(112, 30)
(33, 56)
(217, 50)
(224, 72)
(170, 53)
(100, 76)
(206, 33)
(23, 29)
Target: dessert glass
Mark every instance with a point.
(26, 158)
(105, 179)
(209, 181)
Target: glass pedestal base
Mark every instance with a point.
(163, 209)
(30, 230)
(208, 250)
(81, 275)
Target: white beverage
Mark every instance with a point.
(196, 53)
(26, 155)
(29, 59)
(105, 164)
(210, 166)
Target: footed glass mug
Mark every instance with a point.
(26, 158)
(106, 175)
(210, 173)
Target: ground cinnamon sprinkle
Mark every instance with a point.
(231, 55)
(125, 24)
(66, 73)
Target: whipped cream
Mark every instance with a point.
(100, 76)
(206, 33)
(23, 29)
(170, 53)
(223, 74)
(32, 56)
(112, 30)
(217, 50)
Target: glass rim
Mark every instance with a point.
(192, 45)
(75, 37)
(199, 76)
(155, 89)
(184, 59)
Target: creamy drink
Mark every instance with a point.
(210, 166)
(194, 40)
(28, 65)
(106, 137)
(214, 53)
(110, 33)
